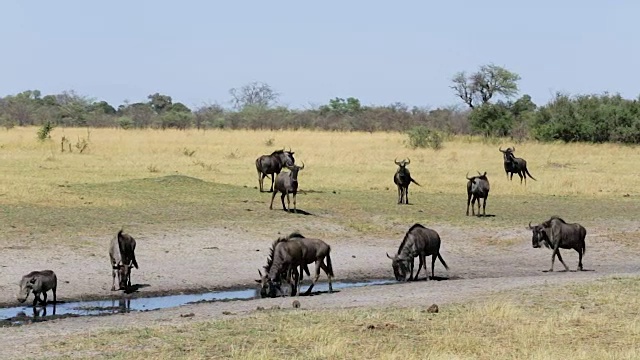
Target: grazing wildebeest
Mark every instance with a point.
(421, 242)
(38, 282)
(300, 250)
(123, 257)
(556, 234)
(477, 188)
(402, 178)
(287, 183)
(273, 164)
(287, 272)
(515, 165)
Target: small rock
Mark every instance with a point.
(433, 309)
(353, 256)
(275, 307)
(227, 313)
(296, 304)
(371, 326)
(187, 315)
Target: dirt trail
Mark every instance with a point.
(221, 258)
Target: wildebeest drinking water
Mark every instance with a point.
(272, 165)
(421, 242)
(287, 183)
(38, 282)
(298, 250)
(402, 178)
(477, 188)
(556, 234)
(285, 251)
(515, 165)
(122, 256)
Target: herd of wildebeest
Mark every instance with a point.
(289, 256)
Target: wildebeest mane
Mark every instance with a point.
(271, 251)
(406, 236)
(295, 235)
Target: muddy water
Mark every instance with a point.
(25, 314)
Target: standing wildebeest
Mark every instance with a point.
(38, 282)
(273, 164)
(402, 178)
(515, 165)
(556, 234)
(418, 241)
(287, 272)
(287, 183)
(477, 188)
(299, 251)
(122, 256)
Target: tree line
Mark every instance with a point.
(491, 107)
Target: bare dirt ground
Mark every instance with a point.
(481, 261)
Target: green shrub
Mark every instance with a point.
(423, 137)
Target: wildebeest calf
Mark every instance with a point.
(477, 188)
(38, 282)
(556, 234)
(122, 255)
(287, 183)
(418, 241)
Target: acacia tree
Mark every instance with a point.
(255, 94)
(481, 86)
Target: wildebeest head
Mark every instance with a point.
(402, 164)
(286, 157)
(26, 285)
(508, 153)
(400, 267)
(294, 171)
(539, 236)
(268, 287)
(479, 176)
(124, 273)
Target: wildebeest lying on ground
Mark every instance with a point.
(38, 282)
(297, 250)
(122, 255)
(556, 234)
(402, 178)
(272, 165)
(287, 183)
(477, 188)
(421, 242)
(515, 165)
(288, 272)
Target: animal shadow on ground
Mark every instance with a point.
(298, 211)
(135, 287)
(562, 271)
(486, 215)
(320, 292)
(436, 278)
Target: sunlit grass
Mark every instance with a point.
(587, 321)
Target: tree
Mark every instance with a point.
(350, 106)
(180, 107)
(160, 103)
(483, 85)
(255, 94)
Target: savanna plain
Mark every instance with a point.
(191, 201)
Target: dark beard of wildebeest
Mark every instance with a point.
(477, 188)
(287, 183)
(296, 250)
(38, 282)
(273, 288)
(273, 164)
(418, 241)
(515, 165)
(402, 178)
(122, 255)
(556, 234)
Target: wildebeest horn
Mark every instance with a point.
(408, 161)
(467, 176)
(479, 173)
(396, 161)
(530, 227)
(513, 149)
(302, 167)
(500, 149)
(260, 273)
(389, 256)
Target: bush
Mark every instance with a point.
(45, 131)
(423, 137)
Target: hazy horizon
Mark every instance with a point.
(195, 51)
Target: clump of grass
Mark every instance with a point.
(188, 152)
(153, 168)
(269, 142)
(44, 132)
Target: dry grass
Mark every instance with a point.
(587, 321)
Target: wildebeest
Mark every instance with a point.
(287, 183)
(123, 257)
(299, 250)
(288, 271)
(556, 234)
(402, 178)
(421, 242)
(273, 164)
(514, 165)
(477, 188)
(38, 282)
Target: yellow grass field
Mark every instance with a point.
(35, 172)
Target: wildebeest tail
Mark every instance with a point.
(528, 173)
(415, 182)
(442, 261)
(329, 266)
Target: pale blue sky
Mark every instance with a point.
(378, 51)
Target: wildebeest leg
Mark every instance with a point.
(288, 202)
(260, 180)
(282, 199)
(579, 250)
(399, 195)
(421, 263)
(326, 271)
(113, 275)
(315, 278)
(273, 178)
(520, 174)
(273, 195)
(406, 195)
(36, 298)
(566, 268)
(44, 300)
(473, 205)
(295, 209)
(55, 300)
(411, 269)
(484, 207)
(433, 264)
(468, 201)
